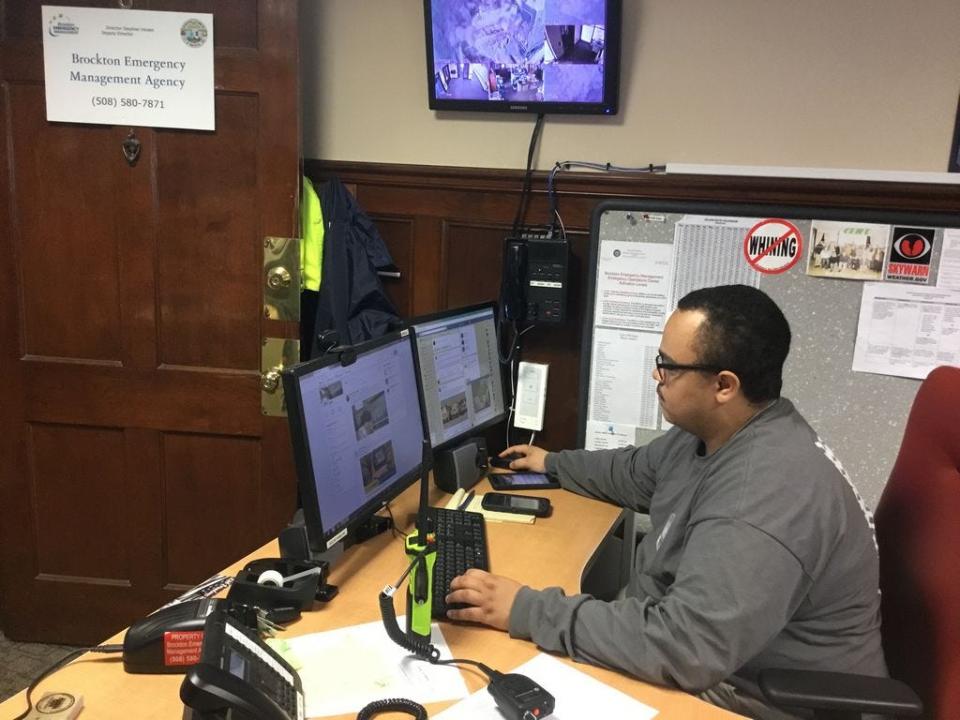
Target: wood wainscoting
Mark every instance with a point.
(445, 227)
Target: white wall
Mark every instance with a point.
(824, 83)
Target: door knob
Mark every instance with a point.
(275, 355)
(270, 380)
(279, 277)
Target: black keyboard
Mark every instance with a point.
(461, 539)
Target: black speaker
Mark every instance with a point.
(462, 466)
(294, 544)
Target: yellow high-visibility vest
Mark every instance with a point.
(311, 230)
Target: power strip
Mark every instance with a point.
(531, 396)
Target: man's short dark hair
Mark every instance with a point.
(745, 332)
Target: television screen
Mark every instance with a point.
(542, 56)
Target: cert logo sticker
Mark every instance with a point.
(60, 24)
(193, 32)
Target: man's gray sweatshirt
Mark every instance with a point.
(761, 555)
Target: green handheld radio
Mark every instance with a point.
(421, 550)
(420, 587)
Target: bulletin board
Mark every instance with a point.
(645, 255)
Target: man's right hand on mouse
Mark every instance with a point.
(526, 457)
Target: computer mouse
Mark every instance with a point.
(504, 462)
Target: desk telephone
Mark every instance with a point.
(239, 677)
(534, 283)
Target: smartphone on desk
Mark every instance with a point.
(513, 503)
(522, 480)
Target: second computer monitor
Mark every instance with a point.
(459, 366)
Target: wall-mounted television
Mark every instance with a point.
(533, 56)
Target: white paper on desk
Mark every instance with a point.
(577, 696)
(347, 668)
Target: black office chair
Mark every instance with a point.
(839, 696)
(610, 567)
(918, 532)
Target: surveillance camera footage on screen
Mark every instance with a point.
(526, 55)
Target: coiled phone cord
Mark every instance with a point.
(418, 711)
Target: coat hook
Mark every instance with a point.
(131, 148)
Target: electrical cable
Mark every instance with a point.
(528, 175)
(601, 167)
(563, 229)
(513, 378)
(502, 321)
(517, 222)
(393, 523)
(513, 395)
(59, 664)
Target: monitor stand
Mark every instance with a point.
(461, 466)
(295, 543)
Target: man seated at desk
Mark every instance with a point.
(762, 553)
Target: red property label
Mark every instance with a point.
(182, 648)
(773, 246)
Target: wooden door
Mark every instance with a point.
(134, 458)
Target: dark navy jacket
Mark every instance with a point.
(351, 299)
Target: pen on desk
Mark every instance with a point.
(466, 500)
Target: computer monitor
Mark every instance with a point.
(460, 373)
(357, 434)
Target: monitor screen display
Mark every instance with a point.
(558, 56)
(357, 433)
(460, 372)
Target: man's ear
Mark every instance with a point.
(727, 385)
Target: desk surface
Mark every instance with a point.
(554, 552)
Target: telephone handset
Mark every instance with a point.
(239, 677)
(512, 296)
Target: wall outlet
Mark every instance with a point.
(531, 396)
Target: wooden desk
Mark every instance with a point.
(551, 552)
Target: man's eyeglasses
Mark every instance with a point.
(664, 365)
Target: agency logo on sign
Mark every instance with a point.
(194, 33)
(911, 250)
(60, 24)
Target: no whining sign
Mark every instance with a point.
(773, 246)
